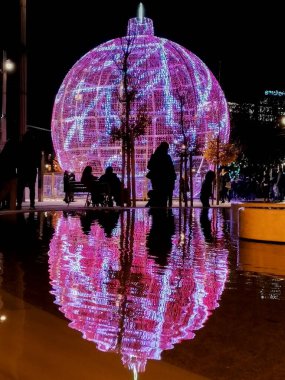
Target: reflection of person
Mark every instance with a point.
(114, 184)
(158, 240)
(162, 175)
(108, 220)
(29, 160)
(206, 189)
(87, 219)
(205, 223)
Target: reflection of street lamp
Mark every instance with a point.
(7, 66)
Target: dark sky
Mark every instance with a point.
(247, 39)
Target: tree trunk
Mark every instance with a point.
(123, 172)
(180, 180)
(191, 178)
(217, 171)
(129, 176)
(133, 172)
(185, 181)
(217, 186)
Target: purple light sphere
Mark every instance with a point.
(88, 106)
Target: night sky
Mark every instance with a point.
(247, 40)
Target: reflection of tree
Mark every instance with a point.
(119, 298)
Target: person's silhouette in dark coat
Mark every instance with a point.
(91, 182)
(206, 189)
(8, 175)
(162, 175)
(29, 160)
(114, 184)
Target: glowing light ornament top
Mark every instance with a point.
(87, 104)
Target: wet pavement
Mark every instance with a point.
(138, 293)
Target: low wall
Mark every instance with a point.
(265, 223)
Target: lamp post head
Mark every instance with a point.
(8, 65)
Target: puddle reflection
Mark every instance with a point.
(264, 258)
(135, 282)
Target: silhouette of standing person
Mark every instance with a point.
(71, 179)
(8, 176)
(67, 177)
(162, 176)
(225, 182)
(28, 163)
(66, 186)
(206, 188)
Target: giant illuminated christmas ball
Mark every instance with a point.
(168, 82)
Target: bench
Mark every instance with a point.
(102, 189)
(75, 187)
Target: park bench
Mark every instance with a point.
(75, 187)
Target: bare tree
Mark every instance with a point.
(185, 151)
(133, 121)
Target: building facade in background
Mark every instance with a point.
(268, 109)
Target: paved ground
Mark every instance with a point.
(59, 204)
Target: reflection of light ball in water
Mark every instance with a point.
(163, 74)
(118, 297)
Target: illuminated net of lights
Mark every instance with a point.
(113, 291)
(87, 104)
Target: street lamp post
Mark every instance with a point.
(7, 66)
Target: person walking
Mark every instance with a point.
(225, 185)
(162, 176)
(207, 188)
(8, 175)
(29, 160)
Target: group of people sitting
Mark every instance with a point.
(108, 184)
(106, 188)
